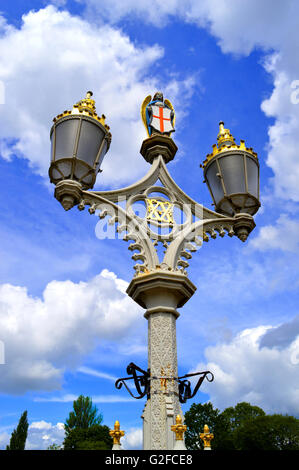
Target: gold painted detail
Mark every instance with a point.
(224, 135)
(86, 106)
(206, 436)
(226, 142)
(179, 428)
(116, 433)
(167, 375)
(159, 211)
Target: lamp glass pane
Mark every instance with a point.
(103, 153)
(214, 181)
(65, 167)
(80, 170)
(65, 138)
(232, 169)
(252, 177)
(91, 137)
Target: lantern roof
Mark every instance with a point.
(86, 106)
(226, 142)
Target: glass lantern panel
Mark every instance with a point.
(232, 169)
(87, 180)
(226, 207)
(252, 176)
(103, 153)
(239, 201)
(80, 170)
(56, 175)
(214, 182)
(65, 167)
(66, 132)
(91, 137)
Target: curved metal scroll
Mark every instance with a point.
(139, 381)
(185, 392)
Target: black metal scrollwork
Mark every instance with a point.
(185, 392)
(139, 381)
(142, 382)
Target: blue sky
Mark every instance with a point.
(65, 322)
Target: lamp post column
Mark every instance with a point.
(161, 293)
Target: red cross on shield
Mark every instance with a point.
(161, 119)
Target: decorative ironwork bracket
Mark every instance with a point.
(139, 381)
(143, 381)
(185, 392)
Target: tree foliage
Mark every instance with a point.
(269, 432)
(240, 413)
(19, 435)
(83, 429)
(83, 416)
(95, 437)
(243, 427)
(197, 417)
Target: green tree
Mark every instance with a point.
(83, 428)
(95, 437)
(243, 427)
(240, 413)
(83, 416)
(268, 432)
(54, 446)
(197, 417)
(19, 435)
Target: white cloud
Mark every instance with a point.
(96, 373)
(4, 439)
(48, 65)
(132, 440)
(241, 27)
(44, 336)
(245, 371)
(283, 236)
(42, 434)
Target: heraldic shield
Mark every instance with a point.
(160, 119)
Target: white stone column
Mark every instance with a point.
(161, 293)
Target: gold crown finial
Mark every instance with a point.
(116, 433)
(179, 428)
(226, 143)
(206, 437)
(224, 136)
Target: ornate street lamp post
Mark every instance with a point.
(170, 218)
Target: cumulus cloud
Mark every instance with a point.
(273, 28)
(132, 439)
(283, 235)
(250, 368)
(281, 336)
(50, 62)
(43, 336)
(42, 434)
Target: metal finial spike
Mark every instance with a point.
(221, 128)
